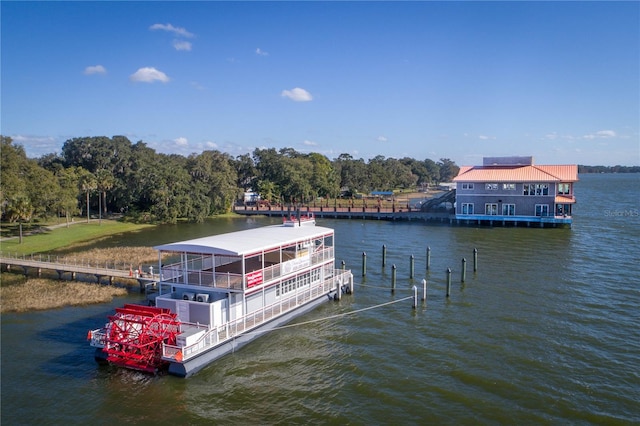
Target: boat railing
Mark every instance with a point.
(176, 275)
(272, 272)
(98, 338)
(217, 335)
(322, 255)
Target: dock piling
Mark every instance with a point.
(448, 282)
(364, 264)
(475, 260)
(384, 255)
(424, 291)
(415, 297)
(393, 278)
(463, 273)
(428, 258)
(411, 266)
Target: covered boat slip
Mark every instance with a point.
(243, 261)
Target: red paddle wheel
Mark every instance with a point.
(135, 334)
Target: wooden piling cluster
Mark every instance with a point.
(463, 271)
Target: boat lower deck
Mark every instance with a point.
(215, 339)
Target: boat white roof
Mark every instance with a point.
(248, 241)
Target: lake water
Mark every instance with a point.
(547, 331)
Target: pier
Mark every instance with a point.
(61, 267)
(367, 213)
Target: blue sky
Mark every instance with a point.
(556, 80)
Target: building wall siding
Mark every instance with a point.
(525, 204)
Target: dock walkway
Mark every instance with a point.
(372, 213)
(40, 262)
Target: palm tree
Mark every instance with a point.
(88, 184)
(104, 181)
(19, 209)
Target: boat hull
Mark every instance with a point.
(192, 366)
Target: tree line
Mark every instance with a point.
(608, 169)
(113, 175)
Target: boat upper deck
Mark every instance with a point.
(238, 261)
(249, 241)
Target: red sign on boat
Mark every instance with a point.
(254, 278)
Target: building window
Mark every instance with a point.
(467, 186)
(491, 186)
(491, 209)
(542, 209)
(467, 208)
(563, 210)
(535, 189)
(509, 186)
(564, 188)
(508, 210)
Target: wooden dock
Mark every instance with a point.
(43, 262)
(367, 213)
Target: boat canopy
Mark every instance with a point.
(249, 241)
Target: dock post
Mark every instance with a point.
(344, 265)
(384, 255)
(463, 274)
(448, 282)
(411, 266)
(364, 263)
(415, 297)
(475, 260)
(424, 290)
(428, 258)
(393, 278)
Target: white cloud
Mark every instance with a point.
(381, 139)
(181, 141)
(211, 145)
(33, 139)
(182, 45)
(148, 75)
(486, 138)
(36, 146)
(261, 52)
(95, 69)
(170, 28)
(309, 143)
(602, 134)
(297, 94)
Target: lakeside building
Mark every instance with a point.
(515, 190)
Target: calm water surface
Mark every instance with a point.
(547, 331)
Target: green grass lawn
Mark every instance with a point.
(46, 240)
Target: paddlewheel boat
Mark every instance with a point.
(220, 292)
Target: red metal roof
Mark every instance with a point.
(560, 173)
(565, 199)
